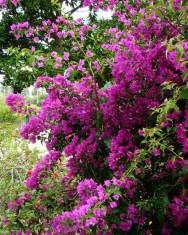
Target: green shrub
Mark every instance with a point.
(5, 114)
(16, 159)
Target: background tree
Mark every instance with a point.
(33, 12)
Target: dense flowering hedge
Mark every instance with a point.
(116, 132)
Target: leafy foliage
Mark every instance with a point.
(16, 159)
(114, 122)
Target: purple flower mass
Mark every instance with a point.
(41, 168)
(116, 115)
(3, 3)
(15, 102)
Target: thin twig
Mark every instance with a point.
(172, 25)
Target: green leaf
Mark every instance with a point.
(107, 142)
(184, 94)
(98, 120)
(159, 13)
(185, 75)
(161, 208)
(180, 51)
(116, 211)
(65, 198)
(170, 5)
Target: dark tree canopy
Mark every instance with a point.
(33, 11)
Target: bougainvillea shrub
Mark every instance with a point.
(116, 133)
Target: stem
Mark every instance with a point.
(171, 24)
(75, 8)
(93, 75)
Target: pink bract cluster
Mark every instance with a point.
(126, 158)
(3, 3)
(16, 102)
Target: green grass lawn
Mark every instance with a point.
(16, 158)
